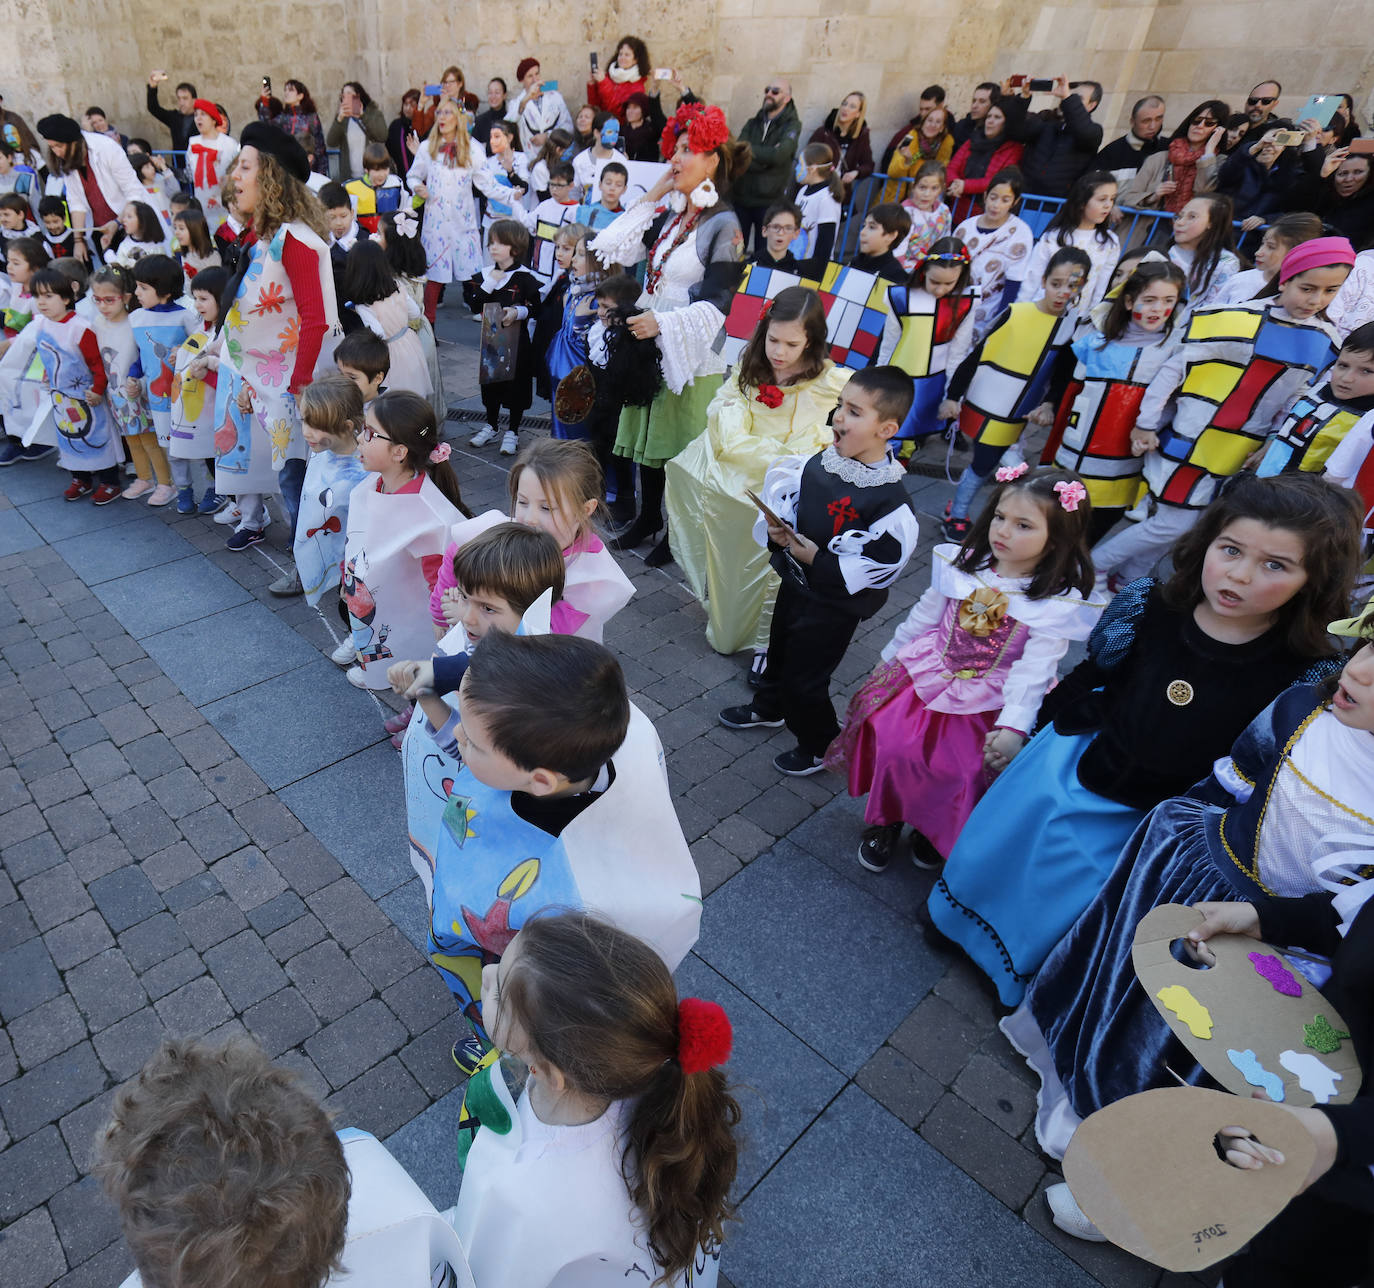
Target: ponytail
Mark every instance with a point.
(408, 420)
(822, 155)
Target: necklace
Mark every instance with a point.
(683, 225)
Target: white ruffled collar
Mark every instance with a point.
(857, 474)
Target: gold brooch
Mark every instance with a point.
(1179, 692)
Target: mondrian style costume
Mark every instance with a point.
(1314, 427)
(1352, 465)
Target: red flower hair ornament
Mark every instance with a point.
(706, 129)
(704, 1035)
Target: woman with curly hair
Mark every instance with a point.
(281, 308)
(629, 72)
(694, 267)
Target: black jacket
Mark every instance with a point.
(773, 144)
(1059, 148)
(1120, 155)
(183, 128)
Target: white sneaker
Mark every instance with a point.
(482, 437)
(138, 488)
(344, 653)
(1068, 1216)
(510, 443)
(162, 494)
(356, 677)
(230, 514)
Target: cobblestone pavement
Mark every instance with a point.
(201, 831)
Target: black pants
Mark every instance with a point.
(1313, 1243)
(1103, 520)
(496, 396)
(110, 477)
(807, 640)
(751, 224)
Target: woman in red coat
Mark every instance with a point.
(629, 73)
(987, 151)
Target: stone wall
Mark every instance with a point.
(58, 59)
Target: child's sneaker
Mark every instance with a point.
(11, 450)
(400, 721)
(510, 443)
(230, 514)
(355, 676)
(186, 500)
(924, 855)
(398, 740)
(78, 490)
(138, 488)
(162, 493)
(875, 850)
(36, 451)
(955, 529)
(242, 538)
(798, 763)
(344, 653)
(483, 436)
(747, 718)
(104, 494)
(211, 501)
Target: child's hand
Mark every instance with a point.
(510, 316)
(1142, 441)
(999, 747)
(422, 685)
(131, 388)
(801, 548)
(451, 605)
(401, 675)
(199, 369)
(420, 189)
(245, 398)
(948, 409)
(95, 399)
(956, 188)
(1042, 415)
(160, 164)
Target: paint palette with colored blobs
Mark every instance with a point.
(1252, 1020)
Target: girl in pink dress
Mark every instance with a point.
(959, 686)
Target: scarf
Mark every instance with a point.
(623, 75)
(980, 150)
(1184, 158)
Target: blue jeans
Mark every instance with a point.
(290, 482)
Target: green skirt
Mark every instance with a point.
(653, 435)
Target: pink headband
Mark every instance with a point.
(1320, 252)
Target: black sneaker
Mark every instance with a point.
(875, 850)
(955, 529)
(796, 763)
(924, 855)
(468, 1054)
(747, 718)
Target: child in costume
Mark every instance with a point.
(1204, 248)
(210, 157)
(192, 446)
(776, 403)
(1084, 221)
(962, 678)
(567, 348)
(88, 445)
(24, 256)
(930, 217)
(508, 170)
(1216, 398)
(819, 196)
(516, 291)
(1000, 243)
(112, 289)
(195, 244)
(140, 233)
(884, 227)
(1130, 336)
(387, 311)
(594, 1016)
(1287, 814)
(929, 330)
(781, 224)
(399, 236)
(396, 530)
(58, 237)
(1279, 238)
(379, 191)
(1174, 672)
(1004, 381)
(844, 530)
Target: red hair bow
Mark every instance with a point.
(704, 1036)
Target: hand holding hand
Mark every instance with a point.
(1142, 441)
(999, 747)
(948, 409)
(401, 675)
(131, 388)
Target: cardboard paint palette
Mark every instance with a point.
(1253, 1021)
(1145, 1172)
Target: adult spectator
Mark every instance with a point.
(1258, 174)
(97, 121)
(929, 141)
(628, 74)
(1192, 156)
(1124, 156)
(181, 122)
(846, 134)
(97, 179)
(986, 152)
(401, 140)
(358, 123)
(1060, 145)
(1341, 194)
(17, 134)
(932, 96)
(644, 122)
(1260, 106)
(453, 85)
(1237, 125)
(984, 96)
(540, 110)
(297, 115)
(773, 135)
(495, 110)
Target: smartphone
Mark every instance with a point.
(1016, 81)
(592, 58)
(266, 84)
(663, 73)
(549, 86)
(433, 91)
(1041, 86)
(1361, 148)
(1288, 138)
(1320, 108)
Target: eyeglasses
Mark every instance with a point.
(1256, 102)
(778, 228)
(367, 434)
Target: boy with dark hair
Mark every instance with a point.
(57, 237)
(781, 223)
(884, 227)
(364, 357)
(16, 220)
(15, 175)
(840, 532)
(378, 192)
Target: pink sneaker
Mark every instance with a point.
(397, 740)
(138, 488)
(162, 493)
(400, 721)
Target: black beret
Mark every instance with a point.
(60, 129)
(277, 143)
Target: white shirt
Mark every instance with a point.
(587, 168)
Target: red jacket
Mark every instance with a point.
(1007, 154)
(607, 96)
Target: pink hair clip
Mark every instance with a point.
(1009, 472)
(440, 454)
(1070, 494)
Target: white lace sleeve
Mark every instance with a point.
(623, 239)
(685, 340)
(781, 487)
(858, 570)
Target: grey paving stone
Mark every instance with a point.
(31, 1172)
(75, 941)
(305, 864)
(191, 893)
(715, 864)
(95, 558)
(211, 921)
(1001, 1166)
(90, 673)
(233, 783)
(347, 912)
(244, 969)
(303, 1067)
(8, 893)
(899, 1086)
(195, 1008)
(723, 792)
(328, 980)
(970, 992)
(84, 733)
(267, 821)
(152, 941)
(105, 988)
(169, 975)
(276, 913)
(413, 1147)
(86, 1220)
(55, 788)
(295, 937)
(76, 822)
(121, 649)
(27, 979)
(30, 1254)
(71, 649)
(125, 898)
(20, 734)
(997, 1093)
(124, 1048)
(39, 761)
(1107, 1264)
(145, 829)
(126, 723)
(16, 926)
(46, 1031)
(120, 795)
(281, 1021)
(152, 755)
(212, 830)
(248, 878)
(111, 1266)
(138, 672)
(108, 697)
(19, 824)
(938, 1038)
(382, 1100)
(386, 957)
(202, 748)
(738, 836)
(9, 1066)
(97, 858)
(172, 866)
(175, 716)
(157, 599)
(79, 1129)
(777, 809)
(51, 1089)
(31, 856)
(41, 680)
(155, 689)
(58, 710)
(429, 1058)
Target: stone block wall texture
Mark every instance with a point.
(57, 59)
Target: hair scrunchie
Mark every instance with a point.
(704, 1035)
(440, 454)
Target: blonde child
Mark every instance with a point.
(515, 291)
(209, 157)
(1000, 243)
(388, 312)
(195, 246)
(567, 349)
(396, 531)
(1204, 247)
(777, 402)
(930, 217)
(1083, 221)
(24, 256)
(961, 680)
(191, 449)
(819, 195)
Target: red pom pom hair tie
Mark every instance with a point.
(706, 129)
(704, 1035)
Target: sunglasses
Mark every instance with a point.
(1256, 102)
(1204, 120)
(773, 89)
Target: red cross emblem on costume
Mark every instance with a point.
(843, 512)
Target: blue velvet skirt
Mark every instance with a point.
(1034, 853)
(1105, 1036)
